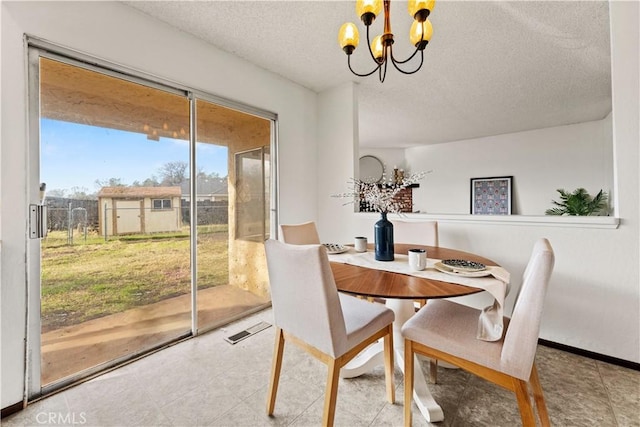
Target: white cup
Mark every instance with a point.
(417, 259)
(361, 244)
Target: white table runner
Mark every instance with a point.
(490, 324)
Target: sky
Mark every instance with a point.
(75, 155)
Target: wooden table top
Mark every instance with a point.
(386, 284)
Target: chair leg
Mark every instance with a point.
(408, 381)
(433, 370)
(524, 402)
(538, 397)
(278, 350)
(389, 365)
(331, 393)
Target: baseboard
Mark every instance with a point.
(12, 409)
(592, 355)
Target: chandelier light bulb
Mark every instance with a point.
(348, 37)
(420, 9)
(367, 10)
(376, 48)
(420, 33)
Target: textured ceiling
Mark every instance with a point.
(492, 67)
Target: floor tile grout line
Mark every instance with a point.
(305, 410)
(465, 389)
(372, 423)
(606, 389)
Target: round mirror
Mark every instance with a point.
(371, 169)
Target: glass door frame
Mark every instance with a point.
(36, 49)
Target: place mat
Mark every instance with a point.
(490, 323)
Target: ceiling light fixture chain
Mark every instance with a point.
(381, 49)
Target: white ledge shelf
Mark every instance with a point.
(528, 220)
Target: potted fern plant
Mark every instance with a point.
(579, 203)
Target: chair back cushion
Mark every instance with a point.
(521, 338)
(416, 232)
(304, 296)
(300, 234)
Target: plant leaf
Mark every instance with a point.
(579, 202)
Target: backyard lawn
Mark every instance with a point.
(94, 278)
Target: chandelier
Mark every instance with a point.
(381, 48)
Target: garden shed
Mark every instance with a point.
(139, 210)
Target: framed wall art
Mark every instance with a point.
(491, 196)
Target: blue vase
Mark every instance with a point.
(383, 233)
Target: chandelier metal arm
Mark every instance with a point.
(358, 74)
(379, 64)
(395, 63)
(383, 74)
(369, 47)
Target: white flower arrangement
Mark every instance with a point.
(379, 197)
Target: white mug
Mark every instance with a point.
(417, 259)
(361, 244)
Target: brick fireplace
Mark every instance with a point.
(404, 197)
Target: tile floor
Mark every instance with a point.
(207, 382)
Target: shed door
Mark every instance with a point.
(128, 217)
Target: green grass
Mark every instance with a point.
(158, 236)
(95, 278)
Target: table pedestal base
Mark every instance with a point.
(374, 356)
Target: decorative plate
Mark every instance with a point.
(446, 269)
(335, 248)
(463, 265)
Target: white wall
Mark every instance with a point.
(541, 161)
(593, 301)
(337, 133)
(115, 32)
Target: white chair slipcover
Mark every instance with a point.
(309, 311)
(300, 234)
(446, 331)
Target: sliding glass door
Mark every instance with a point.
(115, 264)
(141, 187)
(231, 274)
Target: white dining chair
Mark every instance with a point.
(300, 234)
(309, 312)
(446, 331)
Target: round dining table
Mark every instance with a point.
(399, 292)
